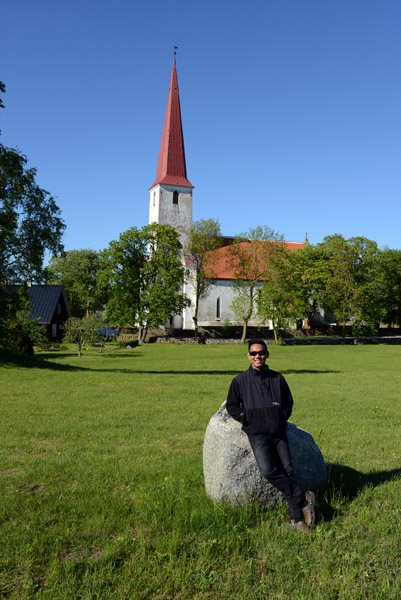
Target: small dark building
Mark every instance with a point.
(48, 304)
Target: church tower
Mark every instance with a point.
(171, 192)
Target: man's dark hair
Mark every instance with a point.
(257, 341)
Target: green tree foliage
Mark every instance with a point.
(30, 225)
(77, 271)
(204, 237)
(350, 289)
(251, 257)
(284, 297)
(306, 270)
(82, 331)
(272, 302)
(388, 282)
(22, 331)
(143, 275)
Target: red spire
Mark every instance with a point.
(171, 168)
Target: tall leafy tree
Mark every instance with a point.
(143, 275)
(350, 290)
(388, 282)
(77, 271)
(204, 237)
(250, 256)
(307, 275)
(287, 295)
(163, 277)
(30, 224)
(273, 301)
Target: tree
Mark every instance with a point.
(22, 331)
(77, 271)
(163, 277)
(30, 224)
(250, 256)
(307, 275)
(143, 275)
(273, 302)
(120, 270)
(388, 281)
(82, 331)
(350, 290)
(204, 237)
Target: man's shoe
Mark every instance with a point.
(300, 526)
(309, 509)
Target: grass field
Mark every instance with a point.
(102, 491)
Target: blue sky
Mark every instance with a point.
(291, 111)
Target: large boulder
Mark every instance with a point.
(230, 470)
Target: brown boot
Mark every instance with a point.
(300, 526)
(309, 509)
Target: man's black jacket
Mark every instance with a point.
(261, 401)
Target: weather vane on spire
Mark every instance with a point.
(175, 50)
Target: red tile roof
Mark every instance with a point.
(220, 264)
(171, 167)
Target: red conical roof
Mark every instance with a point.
(171, 168)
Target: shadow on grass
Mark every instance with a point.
(215, 373)
(41, 362)
(346, 483)
(310, 371)
(34, 362)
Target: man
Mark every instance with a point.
(261, 400)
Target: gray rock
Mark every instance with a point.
(230, 470)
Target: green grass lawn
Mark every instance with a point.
(102, 491)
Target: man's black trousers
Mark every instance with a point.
(274, 461)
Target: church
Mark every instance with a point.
(171, 204)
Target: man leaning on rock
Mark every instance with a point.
(261, 401)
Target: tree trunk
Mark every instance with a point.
(196, 307)
(79, 349)
(142, 331)
(244, 327)
(195, 320)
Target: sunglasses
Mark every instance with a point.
(259, 353)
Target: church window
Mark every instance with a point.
(154, 198)
(175, 197)
(218, 315)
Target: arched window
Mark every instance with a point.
(175, 197)
(218, 316)
(154, 198)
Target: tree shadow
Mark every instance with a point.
(218, 372)
(47, 355)
(309, 371)
(34, 362)
(42, 361)
(346, 483)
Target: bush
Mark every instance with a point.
(18, 339)
(23, 333)
(125, 343)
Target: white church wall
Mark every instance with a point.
(216, 307)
